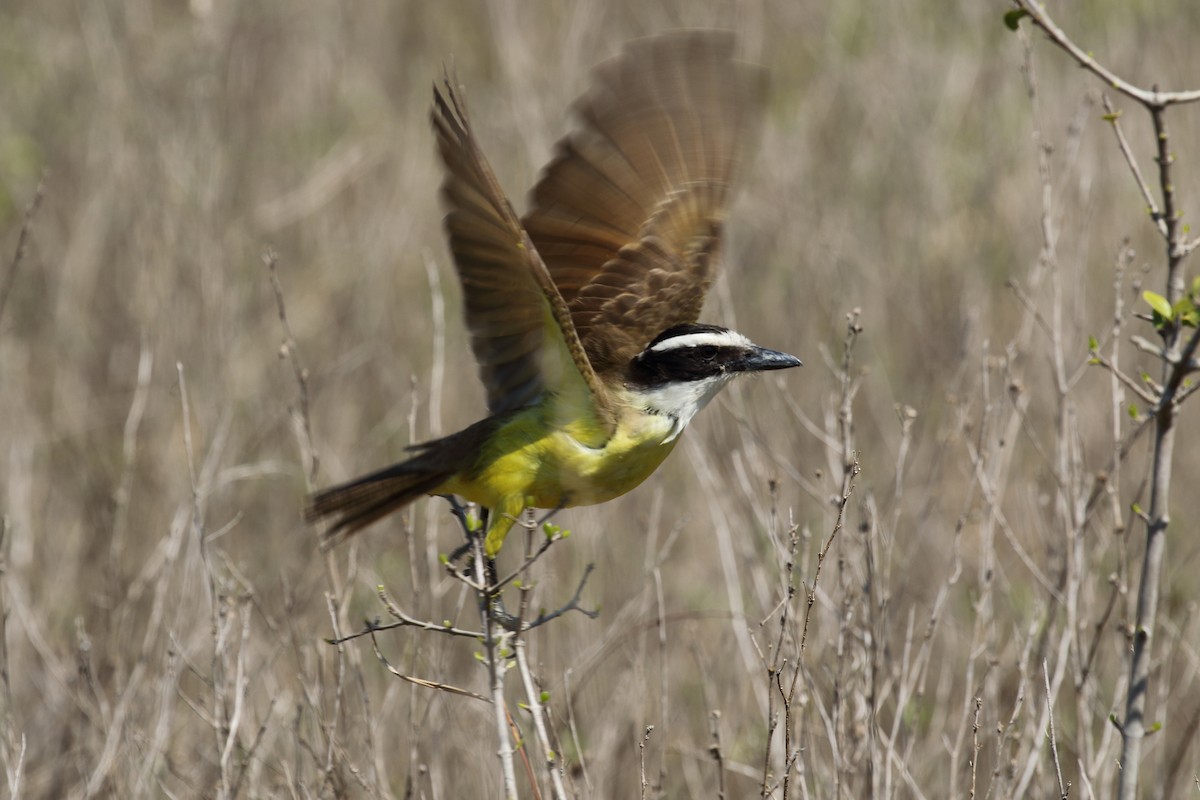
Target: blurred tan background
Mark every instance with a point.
(897, 173)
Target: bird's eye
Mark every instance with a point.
(708, 352)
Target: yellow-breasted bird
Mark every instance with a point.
(582, 313)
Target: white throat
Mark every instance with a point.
(680, 400)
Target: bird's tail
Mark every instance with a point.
(354, 505)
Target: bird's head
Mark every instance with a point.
(685, 366)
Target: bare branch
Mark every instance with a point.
(441, 687)
(1151, 99)
(1114, 118)
(1127, 381)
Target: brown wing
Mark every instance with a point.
(628, 214)
(521, 330)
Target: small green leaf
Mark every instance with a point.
(1113, 117)
(1189, 316)
(1155, 728)
(1146, 377)
(1093, 344)
(1133, 410)
(443, 559)
(1158, 303)
(1012, 19)
(544, 697)
(1135, 508)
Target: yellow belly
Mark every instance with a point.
(531, 463)
(549, 468)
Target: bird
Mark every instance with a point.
(583, 313)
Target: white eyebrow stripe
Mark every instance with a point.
(712, 338)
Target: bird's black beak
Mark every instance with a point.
(761, 359)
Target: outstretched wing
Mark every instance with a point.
(628, 214)
(521, 330)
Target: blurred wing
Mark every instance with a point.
(628, 214)
(521, 330)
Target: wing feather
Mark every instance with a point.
(521, 330)
(628, 214)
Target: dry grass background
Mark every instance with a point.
(897, 173)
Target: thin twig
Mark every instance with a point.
(975, 746)
(372, 627)
(1062, 787)
(330, 728)
(240, 682)
(251, 752)
(22, 241)
(1182, 364)
(1037, 13)
(551, 760)
(441, 687)
(714, 750)
(1114, 118)
(587, 781)
(664, 711)
(642, 758)
(529, 561)
(1130, 384)
(288, 351)
(1117, 589)
(570, 605)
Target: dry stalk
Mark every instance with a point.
(31, 210)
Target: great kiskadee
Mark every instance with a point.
(582, 313)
